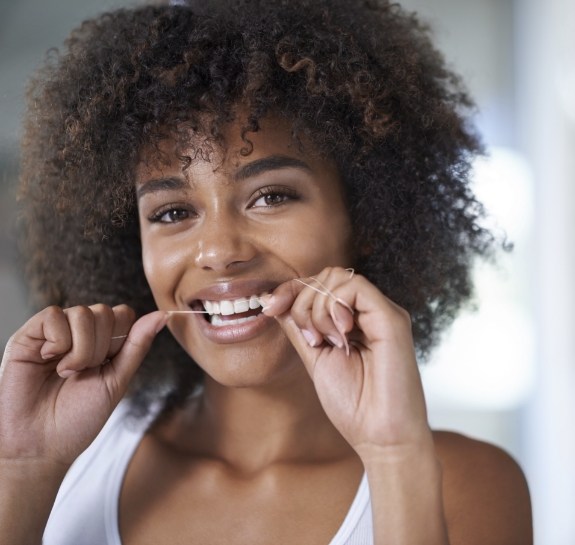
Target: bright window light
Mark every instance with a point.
(487, 359)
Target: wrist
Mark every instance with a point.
(404, 465)
(418, 447)
(36, 470)
(405, 482)
(28, 488)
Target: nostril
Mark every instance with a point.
(224, 249)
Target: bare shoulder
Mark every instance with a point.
(485, 493)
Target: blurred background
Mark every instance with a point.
(506, 372)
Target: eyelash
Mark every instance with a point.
(157, 216)
(286, 193)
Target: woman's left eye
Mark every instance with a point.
(269, 197)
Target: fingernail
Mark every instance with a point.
(47, 356)
(309, 337)
(336, 341)
(67, 373)
(266, 301)
(336, 311)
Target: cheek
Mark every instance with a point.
(332, 233)
(320, 241)
(161, 267)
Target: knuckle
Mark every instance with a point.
(404, 317)
(124, 310)
(101, 308)
(80, 312)
(298, 314)
(137, 344)
(103, 314)
(52, 312)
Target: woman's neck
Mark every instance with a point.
(252, 429)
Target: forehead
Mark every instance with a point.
(190, 152)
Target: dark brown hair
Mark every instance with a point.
(361, 79)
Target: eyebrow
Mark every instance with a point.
(249, 170)
(273, 162)
(161, 184)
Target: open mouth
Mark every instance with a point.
(231, 311)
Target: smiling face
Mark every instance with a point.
(219, 233)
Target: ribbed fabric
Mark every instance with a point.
(86, 509)
(357, 527)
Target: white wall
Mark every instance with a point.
(546, 98)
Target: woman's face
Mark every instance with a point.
(222, 232)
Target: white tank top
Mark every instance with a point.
(86, 509)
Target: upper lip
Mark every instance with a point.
(223, 291)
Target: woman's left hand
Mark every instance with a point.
(358, 348)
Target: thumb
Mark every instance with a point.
(124, 365)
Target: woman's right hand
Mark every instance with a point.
(62, 375)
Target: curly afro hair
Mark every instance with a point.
(359, 78)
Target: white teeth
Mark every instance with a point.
(241, 305)
(226, 308)
(218, 322)
(229, 307)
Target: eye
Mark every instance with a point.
(271, 196)
(170, 214)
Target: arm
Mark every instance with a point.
(407, 497)
(27, 493)
(368, 382)
(371, 390)
(62, 375)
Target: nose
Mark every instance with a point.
(223, 244)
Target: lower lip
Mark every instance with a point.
(234, 333)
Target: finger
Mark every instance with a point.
(307, 352)
(283, 300)
(124, 318)
(103, 327)
(111, 327)
(44, 337)
(341, 316)
(51, 325)
(82, 327)
(122, 367)
(315, 306)
(307, 312)
(378, 317)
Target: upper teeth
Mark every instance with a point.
(237, 306)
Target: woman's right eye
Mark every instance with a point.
(170, 215)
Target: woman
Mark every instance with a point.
(283, 187)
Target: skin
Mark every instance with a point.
(296, 406)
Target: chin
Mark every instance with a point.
(251, 369)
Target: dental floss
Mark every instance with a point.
(326, 292)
